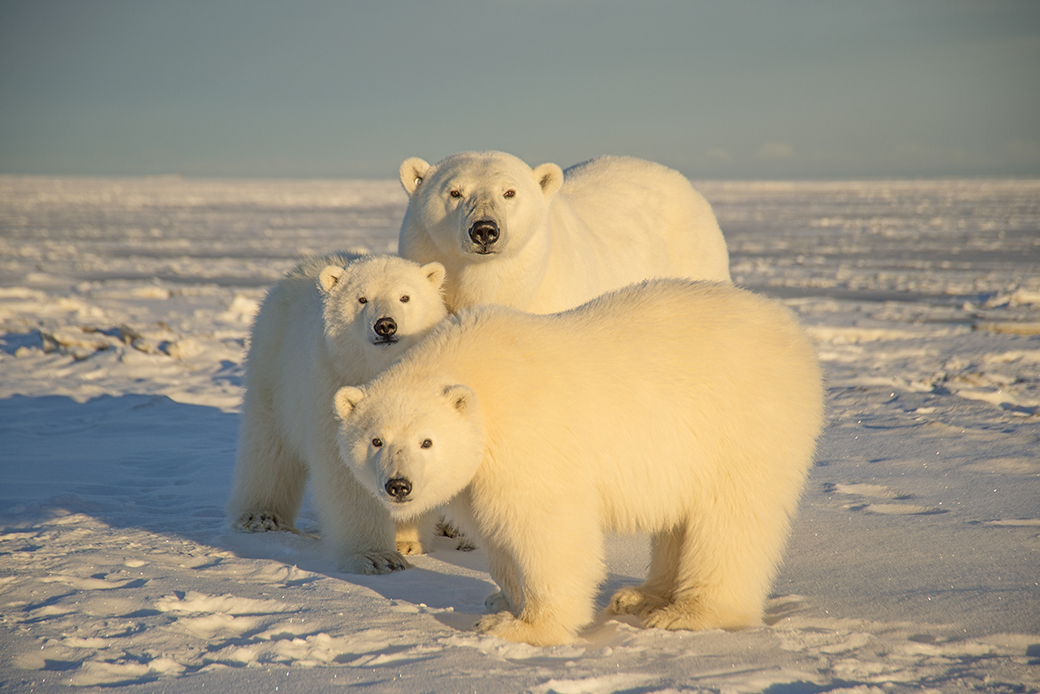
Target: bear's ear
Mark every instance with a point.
(435, 273)
(347, 398)
(549, 177)
(461, 398)
(413, 171)
(329, 276)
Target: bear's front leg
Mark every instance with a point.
(548, 582)
(357, 529)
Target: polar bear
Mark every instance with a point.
(543, 239)
(686, 410)
(334, 320)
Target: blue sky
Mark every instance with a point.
(727, 89)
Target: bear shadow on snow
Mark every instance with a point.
(147, 462)
(131, 461)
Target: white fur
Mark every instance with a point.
(566, 236)
(686, 410)
(311, 337)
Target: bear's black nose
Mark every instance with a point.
(398, 488)
(385, 327)
(484, 232)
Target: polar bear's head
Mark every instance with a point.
(413, 446)
(474, 206)
(378, 306)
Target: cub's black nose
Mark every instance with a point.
(398, 488)
(484, 232)
(385, 327)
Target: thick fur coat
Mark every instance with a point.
(335, 320)
(685, 410)
(543, 239)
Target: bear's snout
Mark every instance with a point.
(398, 488)
(484, 233)
(385, 328)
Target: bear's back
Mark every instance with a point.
(674, 339)
(648, 211)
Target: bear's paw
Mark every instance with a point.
(373, 563)
(262, 522)
(505, 626)
(695, 617)
(497, 602)
(410, 547)
(447, 529)
(634, 601)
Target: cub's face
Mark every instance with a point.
(414, 448)
(380, 305)
(478, 205)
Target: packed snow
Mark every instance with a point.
(125, 306)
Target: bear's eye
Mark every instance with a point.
(455, 194)
(509, 193)
(377, 442)
(405, 299)
(362, 300)
(426, 443)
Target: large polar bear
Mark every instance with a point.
(335, 320)
(687, 410)
(544, 239)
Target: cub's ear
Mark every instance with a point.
(329, 276)
(413, 171)
(347, 398)
(435, 273)
(461, 398)
(549, 177)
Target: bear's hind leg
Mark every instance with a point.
(415, 536)
(721, 576)
(269, 481)
(656, 591)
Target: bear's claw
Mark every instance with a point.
(261, 522)
(373, 563)
(409, 547)
(634, 601)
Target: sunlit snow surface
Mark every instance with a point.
(124, 309)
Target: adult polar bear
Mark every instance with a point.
(544, 239)
(687, 410)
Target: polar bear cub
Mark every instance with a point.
(545, 239)
(335, 320)
(686, 410)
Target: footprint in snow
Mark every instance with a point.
(878, 491)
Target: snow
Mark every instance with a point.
(125, 304)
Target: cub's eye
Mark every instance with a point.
(426, 443)
(455, 194)
(362, 300)
(405, 299)
(509, 193)
(377, 442)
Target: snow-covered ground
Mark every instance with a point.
(124, 307)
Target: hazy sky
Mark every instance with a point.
(723, 89)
